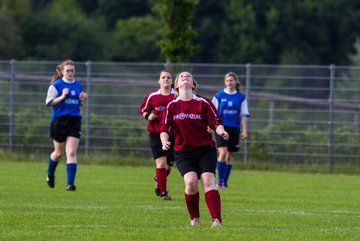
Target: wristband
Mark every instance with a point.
(147, 116)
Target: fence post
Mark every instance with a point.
(247, 91)
(12, 108)
(331, 117)
(88, 65)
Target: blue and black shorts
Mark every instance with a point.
(65, 126)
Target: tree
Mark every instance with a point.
(136, 39)
(62, 31)
(10, 38)
(177, 33)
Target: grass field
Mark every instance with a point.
(118, 203)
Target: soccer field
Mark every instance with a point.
(118, 203)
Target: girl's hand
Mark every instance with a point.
(83, 96)
(166, 146)
(152, 117)
(224, 135)
(65, 92)
(244, 135)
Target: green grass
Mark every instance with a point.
(118, 203)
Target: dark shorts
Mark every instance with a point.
(65, 126)
(232, 143)
(200, 161)
(156, 148)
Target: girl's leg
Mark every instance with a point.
(59, 149)
(72, 144)
(161, 177)
(228, 168)
(192, 197)
(221, 164)
(212, 196)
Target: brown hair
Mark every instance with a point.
(59, 68)
(167, 71)
(177, 78)
(238, 86)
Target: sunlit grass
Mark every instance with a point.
(118, 203)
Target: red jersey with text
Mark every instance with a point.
(189, 120)
(156, 103)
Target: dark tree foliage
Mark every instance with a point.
(177, 40)
(226, 31)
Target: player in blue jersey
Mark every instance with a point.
(65, 96)
(233, 110)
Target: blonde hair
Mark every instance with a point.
(177, 78)
(60, 68)
(238, 86)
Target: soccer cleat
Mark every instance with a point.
(195, 222)
(220, 184)
(50, 181)
(165, 196)
(157, 189)
(216, 223)
(71, 188)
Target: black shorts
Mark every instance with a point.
(156, 148)
(65, 126)
(200, 160)
(232, 143)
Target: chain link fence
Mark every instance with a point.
(300, 115)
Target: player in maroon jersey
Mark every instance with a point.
(189, 115)
(152, 109)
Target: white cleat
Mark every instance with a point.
(216, 223)
(195, 222)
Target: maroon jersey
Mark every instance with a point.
(190, 120)
(156, 103)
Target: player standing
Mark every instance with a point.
(152, 109)
(65, 96)
(195, 154)
(233, 110)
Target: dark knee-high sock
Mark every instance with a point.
(52, 167)
(71, 173)
(227, 173)
(213, 203)
(192, 203)
(221, 170)
(161, 179)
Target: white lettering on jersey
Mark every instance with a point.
(160, 108)
(183, 116)
(71, 102)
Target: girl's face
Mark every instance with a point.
(165, 79)
(185, 79)
(230, 82)
(68, 72)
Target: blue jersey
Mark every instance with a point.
(71, 104)
(231, 106)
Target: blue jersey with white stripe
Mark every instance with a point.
(231, 106)
(71, 104)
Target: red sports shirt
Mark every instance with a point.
(155, 102)
(190, 120)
